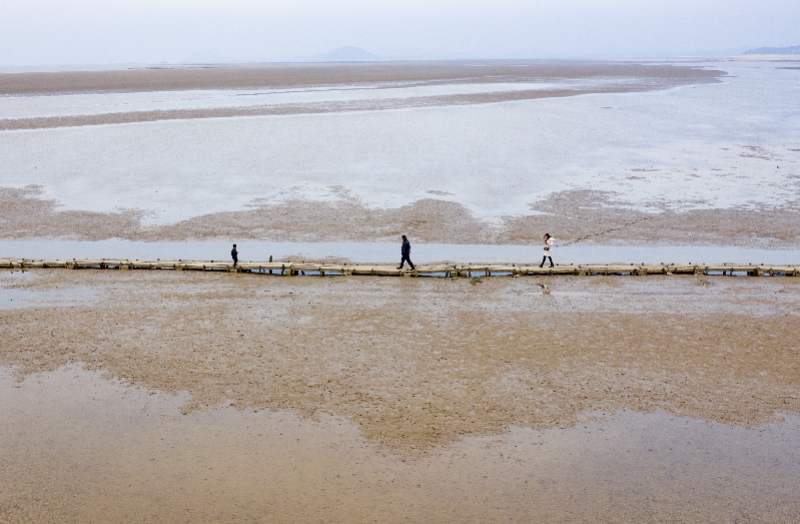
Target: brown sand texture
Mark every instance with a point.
(353, 400)
(628, 77)
(283, 76)
(579, 216)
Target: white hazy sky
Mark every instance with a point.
(34, 32)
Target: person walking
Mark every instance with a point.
(405, 253)
(548, 249)
(235, 256)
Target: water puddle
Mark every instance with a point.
(14, 297)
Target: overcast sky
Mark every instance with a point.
(34, 32)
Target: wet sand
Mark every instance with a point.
(624, 77)
(227, 396)
(704, 164)
(83, 449)
(13, 124)
(579, 217)
(287, 76)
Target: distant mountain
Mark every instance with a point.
(346, 54)
(794, 50)
(206, 57)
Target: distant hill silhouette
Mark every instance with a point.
(346, 54)
(794, 50)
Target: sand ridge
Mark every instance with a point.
(608, 78)
(289, 75)
(15, 124)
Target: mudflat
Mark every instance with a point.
(631, 162)
(284, 76)
(596, 77)
(158, 396)
(579, 216)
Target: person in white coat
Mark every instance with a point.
(548, 249)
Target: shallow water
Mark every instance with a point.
(95, 104)
(716, 145)
(97, 450)
(389, 253)
(15, 298)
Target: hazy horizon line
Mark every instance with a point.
(43, 67)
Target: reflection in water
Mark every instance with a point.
(14, 298)
(78, 447)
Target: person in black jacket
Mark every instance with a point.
(235, 256)
(405, 253)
